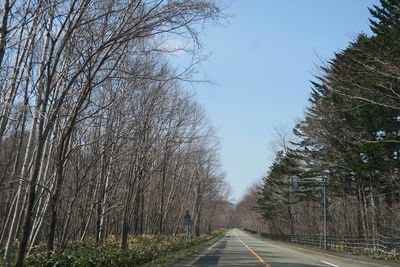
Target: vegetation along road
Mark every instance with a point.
(239, 248)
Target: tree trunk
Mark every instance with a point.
(15, 221)
(31, 201)
(161, 215)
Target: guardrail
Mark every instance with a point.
(378, 246)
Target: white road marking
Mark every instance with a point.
(331, 264)
(201, 255)
(213, 245)
(244, 244)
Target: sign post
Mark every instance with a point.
(325, 202)
(188, 222)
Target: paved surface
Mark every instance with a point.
(238, 248)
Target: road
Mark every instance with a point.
(238, 248)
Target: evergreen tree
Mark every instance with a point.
(351, 130)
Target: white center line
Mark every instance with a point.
(331, 264)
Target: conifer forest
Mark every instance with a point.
(344, 153)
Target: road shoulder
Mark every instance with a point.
(353, 259)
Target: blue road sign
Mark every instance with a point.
(187, 219)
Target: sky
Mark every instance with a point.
(263, 59)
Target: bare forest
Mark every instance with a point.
(98, 135)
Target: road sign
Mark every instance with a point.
(187, 219)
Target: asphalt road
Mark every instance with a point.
(238, 248)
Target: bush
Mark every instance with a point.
(141, 249)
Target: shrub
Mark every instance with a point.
(141, 249)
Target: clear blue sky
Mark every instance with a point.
(263, 60)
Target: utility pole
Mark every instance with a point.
(294, 182)
(325, 212)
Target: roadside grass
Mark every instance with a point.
(148, 250)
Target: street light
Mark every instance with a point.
(294, 185)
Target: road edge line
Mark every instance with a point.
(331, 264)
(205, 251)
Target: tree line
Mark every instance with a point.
(349, 139)
(98, 136)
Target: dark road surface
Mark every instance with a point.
(238, 248)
